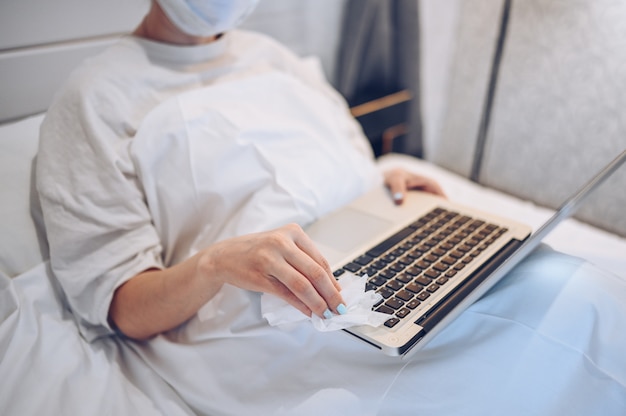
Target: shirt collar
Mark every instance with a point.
(183, 55)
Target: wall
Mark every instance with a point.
(42, 40)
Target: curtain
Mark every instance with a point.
(379, 55)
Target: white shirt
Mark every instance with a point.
(152, 152)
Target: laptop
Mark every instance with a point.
(429, 258)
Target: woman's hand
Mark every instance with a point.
(284, 262)
(399, 181)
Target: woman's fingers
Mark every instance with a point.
(305, 244)
(425, 184)
(307, 274)
(396, 182)
(284, 262)
(399, 181)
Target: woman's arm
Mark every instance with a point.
(284, 262)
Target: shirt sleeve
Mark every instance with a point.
(98, 225)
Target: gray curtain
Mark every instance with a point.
(379, 55)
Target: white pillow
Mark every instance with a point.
(21, 247)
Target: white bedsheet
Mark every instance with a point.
(528, 347)
(492, 360)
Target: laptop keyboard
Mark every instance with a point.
(421, 259)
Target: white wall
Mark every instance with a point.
(439, 20)
(42, 40)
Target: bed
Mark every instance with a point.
(46, 367)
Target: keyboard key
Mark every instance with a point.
(472, 242)
(414, 287)
(442, 281)
(363, 260)
(431, 258)
(432, 273)
(378, 281)
(423, 280)
(385, 309)
(392, 322)
(405, 295)
(395, 285)
(407, 246)
(404, 278)
(387, 274)
(370, 271)
(385, 292)
(352, 267)
(464, 248)
(423, 295)
(422, 264)
(402, 313)
(413, 271)
(394, 303)
(413, 304)
(446, 246)
(431, 242)
(454, 241)
(379, 264)
(456, 254)
(388, 258)
(433, 288)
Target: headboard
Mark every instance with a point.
(42, 41)
(558, 104)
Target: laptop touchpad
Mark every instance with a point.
(348, 229)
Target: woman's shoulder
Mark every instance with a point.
(97, 74)
(101, 86)
(248, 40)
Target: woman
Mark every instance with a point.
(163, 164)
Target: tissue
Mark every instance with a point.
(358, 303)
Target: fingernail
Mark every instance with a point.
(398, 196)
(328, 314)
(341, 309)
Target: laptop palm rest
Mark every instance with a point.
(338, 234)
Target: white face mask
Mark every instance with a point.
(207, 17)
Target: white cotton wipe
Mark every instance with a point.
(358, 304)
